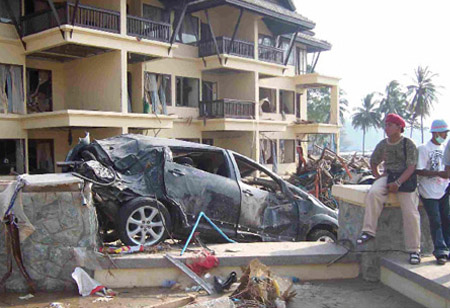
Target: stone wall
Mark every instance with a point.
(62, 223)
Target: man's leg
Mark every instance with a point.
(409, 203)
(444, 207)
(433, 209)
(375, 199)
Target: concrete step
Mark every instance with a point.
(426, 283)
(304, 260)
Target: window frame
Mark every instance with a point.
(179, 102)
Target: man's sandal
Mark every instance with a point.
(363, 238)
(414, 258)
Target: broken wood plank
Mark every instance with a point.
(179, 302)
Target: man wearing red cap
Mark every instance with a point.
(400, 158)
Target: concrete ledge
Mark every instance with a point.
(356, 194)
(426, 283)
(305, 260)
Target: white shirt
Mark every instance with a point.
(431, 158)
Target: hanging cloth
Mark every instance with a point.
(17, 100)
(162, 94)
(3, 96)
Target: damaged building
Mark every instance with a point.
(232, 74)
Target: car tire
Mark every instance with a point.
(321, 235)
(143, 222)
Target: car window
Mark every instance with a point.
(208, 161)
(254, 175)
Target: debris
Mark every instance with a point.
(122, 249)
(233, 250)
(88, 286)
(179, 302)
(203, 263)
(191, 274)
(102, 299)
(222, 302)
(26, 297)
(220, 285)
(260, 288)
(56, 305)
(168, 283)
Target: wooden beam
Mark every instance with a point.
(73, 16)
(55, 13)
(236, 27)
(213, 37)
(178, 26)
(291, 44)
(16, 24)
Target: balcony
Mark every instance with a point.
(228, 108)
(148, 29)
(239, 48)
(270, 54)
(86, 17)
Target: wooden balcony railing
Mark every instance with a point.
(239, 48)
(86, 16)
(146, 28)
(270, 54)
(228, 108)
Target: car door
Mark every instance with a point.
(265, 209)
(200, 191)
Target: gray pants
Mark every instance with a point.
(409, 203)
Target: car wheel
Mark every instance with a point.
(143, 222)
(322, 236)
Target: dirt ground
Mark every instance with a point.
(324, 294)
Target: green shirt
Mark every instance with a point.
(393, 155)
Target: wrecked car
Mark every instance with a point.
(146, 189)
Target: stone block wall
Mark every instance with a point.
(62, 223)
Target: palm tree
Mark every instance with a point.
(393, 100)
(366, 116)
(423, 92)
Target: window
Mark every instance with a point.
(287, 102)
(208, 161)
(4, 15)
(39, 91)
(285, 47)
(189, 30)
(256, 176)
(268, 149)
(157, 93)
(155, 13)
(268, 100)
(12, 156)
(209, 91)
(41, 156)
(287, 151)
(208, 141)
(301, 61)
(187, 92)
(266, 40)
(11, 89)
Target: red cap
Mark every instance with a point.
(396, 119)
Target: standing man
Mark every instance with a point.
(433, 182)
(400, 158)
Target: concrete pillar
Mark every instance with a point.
(124, 82)
(334, 105)
(123, 17)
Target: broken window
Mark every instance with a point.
(287, 151)
(268, 149)
(12, 156)
(268, 100)
(189, 29)
(39, 83)
(157, 93)
(41, 156)
(256, 176)
(11, 89)
(187, 92)
(155, 13)
(286, 102)
(285, 47)
(208, 161)
(209, 91)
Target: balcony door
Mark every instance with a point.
(209, 91)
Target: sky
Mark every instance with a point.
(375, 42)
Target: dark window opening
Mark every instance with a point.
(287, 102)
(208, 161)
(32, 6)
(187, 92)
(39, 91)
(208, 141)
(41, 156)
(189, 30)
(209, 91)
(155, 13)
(268, 149)
(287, 151)
(12, 156)
(268, 100)
(15, 8)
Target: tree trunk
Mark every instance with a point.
(364, 141)
(421, 125)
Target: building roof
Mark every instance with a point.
(313, 44)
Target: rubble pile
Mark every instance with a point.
(318, 174)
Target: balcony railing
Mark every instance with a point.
(86, 16)
(148, 29)
(228, 108)
(270, 54)
(239, 48)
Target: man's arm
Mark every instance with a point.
(431, 173)
(375, 171)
